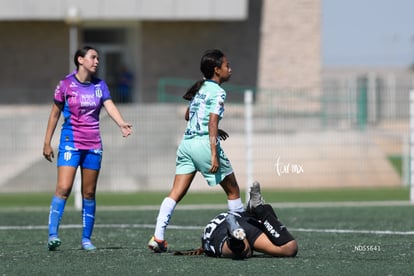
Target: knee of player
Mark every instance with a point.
(89, 195)
(291, 249)
(62, 193)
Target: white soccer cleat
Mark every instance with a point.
(157, 246)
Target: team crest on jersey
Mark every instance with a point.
(98, 91)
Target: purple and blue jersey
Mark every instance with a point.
(82, 103)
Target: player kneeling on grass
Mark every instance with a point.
(237, 235)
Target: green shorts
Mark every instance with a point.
(195, 155)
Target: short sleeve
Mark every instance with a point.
(106, 94)
(60, 93)
(220, 97)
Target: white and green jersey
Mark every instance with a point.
(209, 99)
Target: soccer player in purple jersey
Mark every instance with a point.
(79, 97)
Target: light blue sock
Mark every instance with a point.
(57, 207)
(88, 218)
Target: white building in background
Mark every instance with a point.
(273, 45)
(157, 39)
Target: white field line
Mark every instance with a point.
(224, 206)
(181, 227)
(274, 205)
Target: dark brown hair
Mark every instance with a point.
(81, 53)
(209, 61)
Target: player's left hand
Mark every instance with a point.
(126, 129)
(215, 164)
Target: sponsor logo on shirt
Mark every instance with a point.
(87, 100)
(69, 148)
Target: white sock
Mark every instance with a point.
(235, 205)
(164, 216)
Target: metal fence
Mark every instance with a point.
(344, 137)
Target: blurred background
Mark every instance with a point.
(330, 78)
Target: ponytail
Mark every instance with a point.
(192, 91)
(209, 61)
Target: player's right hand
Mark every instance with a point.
(48, 153)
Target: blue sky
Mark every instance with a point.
(368, 32)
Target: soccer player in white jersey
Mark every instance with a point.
(200, 150)
(79, 97)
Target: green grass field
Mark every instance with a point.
(372, 235)
(150, 198)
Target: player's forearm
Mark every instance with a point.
(114, 113)
(213, 133)
(51, 124)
